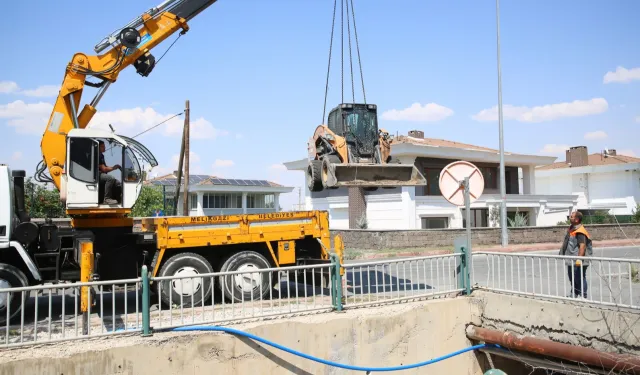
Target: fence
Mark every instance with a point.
(373, 283)
(607, 281)
(51, 313)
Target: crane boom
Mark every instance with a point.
(126, 46)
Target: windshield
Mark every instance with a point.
(362, 124)
(131, 168)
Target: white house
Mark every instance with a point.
(602, 181)
(424, 206)
(211, 195)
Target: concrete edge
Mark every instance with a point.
(602, 245)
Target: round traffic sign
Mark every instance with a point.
(452, 177)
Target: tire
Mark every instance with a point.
(191, 292)
(11, 277)
(312, 278)
(236, 287)
(314, 176)
(393, 160)
(326, 162)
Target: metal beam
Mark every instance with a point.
(625, 364)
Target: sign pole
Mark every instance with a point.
(467, 254)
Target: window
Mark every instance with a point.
(193, 201)
(132, 172)
(222, 200)
(83, 160)
(490, 175)
(433, 181)
(435, 222)
(257, 200)
(479, 218)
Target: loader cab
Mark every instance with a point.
(358, 124)
(83, 186)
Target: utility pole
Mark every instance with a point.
(185, 200)
(503, 194)
(179, 176)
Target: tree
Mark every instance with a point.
(635, 218)
(41, 202)
(150, 200)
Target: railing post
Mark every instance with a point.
(146, 314)
(336, 282)
(463, 271)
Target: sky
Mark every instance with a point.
(254, 73)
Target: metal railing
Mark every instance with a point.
(374, 283)
(605, 281)
(239, 295)
(52, 313)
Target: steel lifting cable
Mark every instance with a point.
(342, 48)
(353, 90)
(355, 33)
(350, 18)
(326, 89)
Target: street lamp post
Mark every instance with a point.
(503, 193)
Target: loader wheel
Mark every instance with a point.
(392, 160)
(11, 277)
(326, 162)
(187, 292)
(251, 285)
(314, 175)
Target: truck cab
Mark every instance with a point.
(83, 187)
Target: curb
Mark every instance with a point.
(532, 248)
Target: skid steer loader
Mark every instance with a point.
(351, 151)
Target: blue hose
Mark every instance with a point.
(324, 361)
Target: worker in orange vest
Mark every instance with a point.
(577, 244)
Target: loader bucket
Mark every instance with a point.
(373, 175)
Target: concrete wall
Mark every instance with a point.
(399, 239)
(607, 330)
(381, 336)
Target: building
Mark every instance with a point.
(602, 181)
(424, 206)
(211, 195)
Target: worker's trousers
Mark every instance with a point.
(109, 182)
(578, 280)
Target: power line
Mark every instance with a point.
(155, 126)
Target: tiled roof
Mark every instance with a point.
(442, 143)
(199, 179)
(595, 160)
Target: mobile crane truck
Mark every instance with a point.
(101, 243)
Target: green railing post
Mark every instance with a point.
(463, 270)
(146, 314)
(336, 283)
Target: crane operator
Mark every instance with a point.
(108, 180)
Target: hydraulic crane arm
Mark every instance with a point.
(129, 45)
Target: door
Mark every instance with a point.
(82, 174)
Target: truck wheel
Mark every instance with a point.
(312, 278)
(11, 277)
(247, 286)
(190, 291)
(314, 175)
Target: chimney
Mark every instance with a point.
(416, 134)
(578, 156)
(612, 152)
(175, 174)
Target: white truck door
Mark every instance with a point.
(82, 172)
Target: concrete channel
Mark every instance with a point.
(387, 335)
